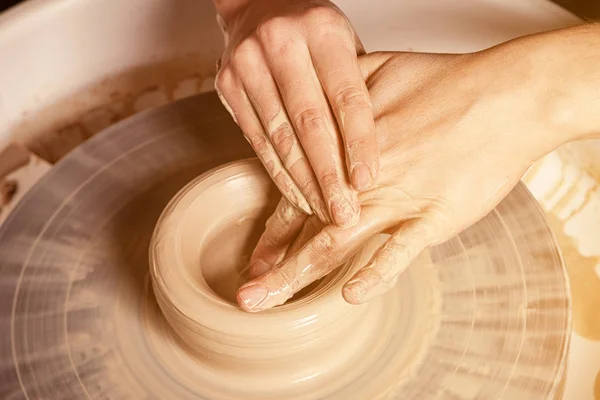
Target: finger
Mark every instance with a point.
(320, 255)
(335, 60)
(264, 96)
(236, 102)
(358, 44)
(280, 230)
(309, 229)
(315, 126)
(386, 265)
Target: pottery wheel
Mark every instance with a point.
(79, 320)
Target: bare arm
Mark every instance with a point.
(456, 132)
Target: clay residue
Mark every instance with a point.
(585, 283)
(19, 171)
(458, 325)
(55, 130)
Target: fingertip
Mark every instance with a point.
(352, 294)
(358, 288)
(251, 296)
(344, 213)
(303, 204)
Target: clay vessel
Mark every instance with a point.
(199, 253)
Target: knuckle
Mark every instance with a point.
(245, 52)
(322, 14)
(284, 48)
(224, 80)
(285, 279)
(324, 246)
(329, 180)
(270, 30)
(350, 97)
(308, 184)
(259, 143)
(283, 139)
(355, 144)
(311, 120)
(394, 247)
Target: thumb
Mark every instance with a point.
(389, 261)
(320, 255)
(370, 63)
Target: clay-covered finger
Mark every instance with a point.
(336, 64)
(235, 100)
(315, 126)
(310, 228)
(264, 95)
(326, 251)
(389, 261)
(280, 231)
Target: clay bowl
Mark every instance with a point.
(473, 316)
(198, 256)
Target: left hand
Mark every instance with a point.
(289, 76)
(456, 132)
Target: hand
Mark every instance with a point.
(456, 133)
(287, 65)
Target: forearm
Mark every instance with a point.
(568, 64)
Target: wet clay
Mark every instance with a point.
(311, 345)
(484, 315)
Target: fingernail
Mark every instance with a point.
(354, 291)
(361, 177)
(358, 289)
(258, 268)
(343, 214)
(252, 296)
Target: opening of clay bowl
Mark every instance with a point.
(345, 200)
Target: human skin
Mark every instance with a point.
(290, 78)
(456, 133)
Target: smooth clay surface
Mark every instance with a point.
(483, 316)
(308, 348)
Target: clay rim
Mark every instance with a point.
(232, 320)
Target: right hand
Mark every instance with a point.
(457, 132)
(289, 76)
